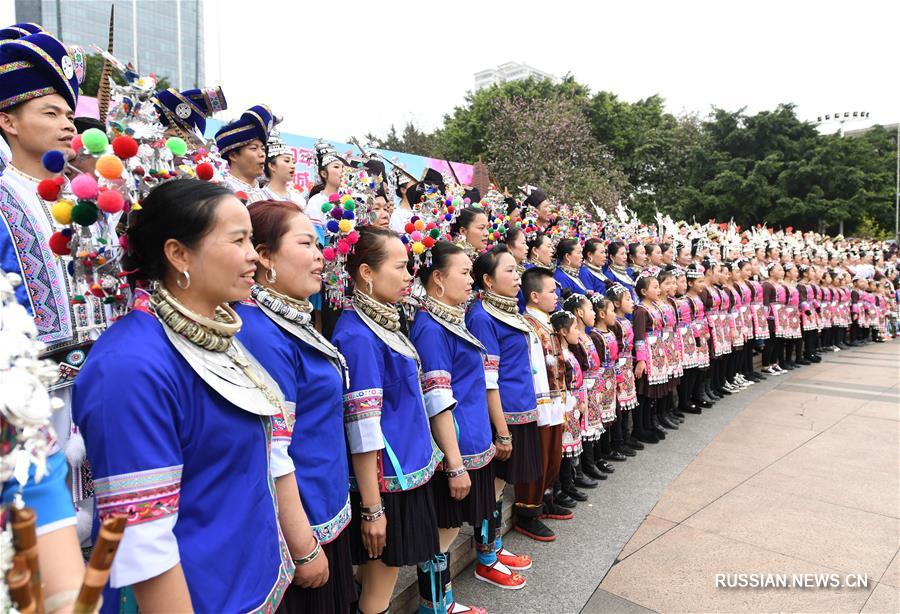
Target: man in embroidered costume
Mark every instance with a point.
(38, 91)
(243, 144)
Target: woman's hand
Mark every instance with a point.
(459, 486)
(374, 536)
(503, 450)
(313, 574)
(640, 369)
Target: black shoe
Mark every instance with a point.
(673, 416)
(562, 499)
(605, 467)
(697, 408)
(659, 432)
(583, 481)
(702, 404)
(647, 437)
(627, 451)
(576, 494)
(616, 456)
(634, 444)
(722, 392)
(803, 362)
(534, 528)
(677, 413)
(668, 424)
(756, 377)
(815, 358)
(591, 471)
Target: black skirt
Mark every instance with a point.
(524, 464)
(412, 530)
(478, 506)
(338, 595)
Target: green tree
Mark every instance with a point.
(412, 140)
(548, 142)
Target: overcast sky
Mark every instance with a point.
(336, 69)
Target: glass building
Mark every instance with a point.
(164, 37)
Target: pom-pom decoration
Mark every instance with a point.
(109, 167)
(48, 189)
(110, 201)
(84, 186)
(59, 244)
(125, 146)
(54, 161)
(176, 145)
(62, 212)
(205, 171)
(84, 213)
(95, 141)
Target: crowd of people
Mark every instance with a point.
(291, 396)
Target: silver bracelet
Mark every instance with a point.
(455, 473)
(504, 440)
(309, 558)
(373, 516)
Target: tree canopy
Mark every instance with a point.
(575, 144)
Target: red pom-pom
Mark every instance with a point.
(48, 189)
(409, 227)
(205, 171)
(333, 198)
(60, 180)
(352, 237)
(110, 201)
(428, 242)
(124, 146)
(450, 209)
(242, 195)
(59, 244)
(76, 143)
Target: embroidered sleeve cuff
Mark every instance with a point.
(146, 551)
(492, 372)
(438, 392)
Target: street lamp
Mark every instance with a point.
(842, 117)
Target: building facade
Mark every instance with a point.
(164, 37)
(510, 71)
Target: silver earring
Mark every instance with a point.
(187, 280)
(271, 275)
(441, 288)
(369, 285)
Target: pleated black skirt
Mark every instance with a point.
(338, 595)
(479, 504)
(412, 529)
(524, 465)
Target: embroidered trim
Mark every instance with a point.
(389, 483)
(477, 461)
(522, 417)
(329, 531)
(142, 496)
(362, 404)
(436, 380)
(491, 362)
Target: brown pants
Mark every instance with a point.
(530, 495)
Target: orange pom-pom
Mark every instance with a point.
(109, 167)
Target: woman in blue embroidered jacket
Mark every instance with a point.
(278, 331)
(568, 267)
(591, 273)
(394, 521)
(178, 417)
(496, 322)
(452, 359)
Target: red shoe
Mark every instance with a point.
(516, 562)
(458, 608)
(499, 575)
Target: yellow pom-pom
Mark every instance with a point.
(62, 211)
(345, 225)
(420, 225)
(418, 248)
(346, 198)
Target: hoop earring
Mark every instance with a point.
(271, 275)
(187, 280)
(441, 288)
(369, 286)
